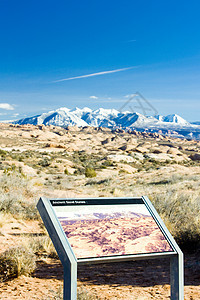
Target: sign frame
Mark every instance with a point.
(70, 262)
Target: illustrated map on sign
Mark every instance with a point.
(110, 230)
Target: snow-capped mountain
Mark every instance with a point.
(101, 117)
(174, 118)
(196, 123)
(60, 117)
(81, 112)
(128, 119)
(100, 216)
(112, 118)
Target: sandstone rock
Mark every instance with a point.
(25, 135)
(104, 129)
(73, 128)
(158, 157)
(174, 151)
(127, 168)
(141, 149)
(120, 157)
(181, 158)
(169, 144)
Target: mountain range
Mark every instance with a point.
(102, 216)
(172, 125)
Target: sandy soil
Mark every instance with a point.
(130, 280)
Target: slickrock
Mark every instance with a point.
(120, 157)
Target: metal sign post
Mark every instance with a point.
(176, 277)
(62, 247)
(75, 227)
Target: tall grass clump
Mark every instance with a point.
(44, 245)
(16, 196)
(16, 261)
(181, 213)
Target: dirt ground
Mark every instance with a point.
(127, 280)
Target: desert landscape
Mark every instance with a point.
(114, 236)
(94, 162)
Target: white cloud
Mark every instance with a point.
(6, 106)
(94, 74)
(94, 97)
(131, 95)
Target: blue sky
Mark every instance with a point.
(151, 46)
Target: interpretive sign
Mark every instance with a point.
(99, 230)
(95, 228)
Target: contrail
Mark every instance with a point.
(94, 74)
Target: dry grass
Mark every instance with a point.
(175, 196)
(16, 261)
(181, 214)
(16, 196)
(4, 218)
(42, 245)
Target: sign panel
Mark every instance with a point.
(98, 228)
(107, 230)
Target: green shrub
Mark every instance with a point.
(3, 153)
(107, 163)
(89, 173)
(66, 172)
(44, 163)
